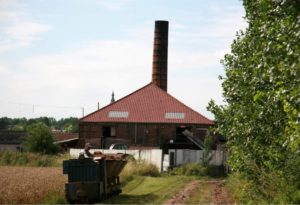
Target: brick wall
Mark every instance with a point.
(132, 134)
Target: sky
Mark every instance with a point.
(60, 58)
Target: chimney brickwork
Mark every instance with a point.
(160, 55)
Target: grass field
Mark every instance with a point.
(25, 185)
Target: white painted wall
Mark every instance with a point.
(154, 156)
(9, 147)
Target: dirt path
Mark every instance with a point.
(215, 189)
(220, 194)
(185, 193)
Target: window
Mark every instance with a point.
(113, 131)
(174, 115)
(118, 114)
(108, 131)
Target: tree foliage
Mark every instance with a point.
(261, 118)
(19, 124)
(40, 139)
(208, 146)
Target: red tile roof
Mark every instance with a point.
(150, 104)
(63, 136)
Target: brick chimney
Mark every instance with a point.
(160, 55)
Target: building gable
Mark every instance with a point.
(150, 104)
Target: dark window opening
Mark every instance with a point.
(179, 136)
(109, 131)
(172, 159)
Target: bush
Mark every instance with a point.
(144, 169)
(40, 139)
(134, 168)
(141, 168)
(137, 168)
(264, 188)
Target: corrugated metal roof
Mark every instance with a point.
(150, 104)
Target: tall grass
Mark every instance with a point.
(30, 159)
(137, 168)
(198, 170)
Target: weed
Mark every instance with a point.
(6, 158)
(22, 160)
(44, 161)
(198, 170)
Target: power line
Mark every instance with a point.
(39, 105)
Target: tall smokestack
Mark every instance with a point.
(160, 55)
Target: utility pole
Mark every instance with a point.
(82, 109)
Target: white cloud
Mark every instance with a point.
(219, 27)
(113, 5)
(80, 77)
(17, 29)
(88, 73)
(25, 31)
(196, 91)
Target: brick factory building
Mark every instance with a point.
(148, 117)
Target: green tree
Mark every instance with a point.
(261, 119)
(5, 122)
(208, 146)
(40, 139)
(68, 124)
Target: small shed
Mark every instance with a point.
(65, 140)
(11, 140)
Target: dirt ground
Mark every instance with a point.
(218, 193)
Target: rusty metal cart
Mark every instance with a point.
(92, 180)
